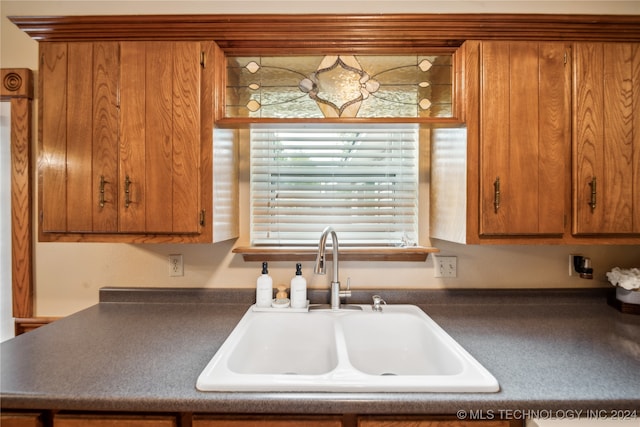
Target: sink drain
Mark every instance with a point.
(388, 374)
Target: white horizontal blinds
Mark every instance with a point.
(360, 179)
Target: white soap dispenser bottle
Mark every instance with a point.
(264, 288)
(298, 292)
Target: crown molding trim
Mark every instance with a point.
(244, 34)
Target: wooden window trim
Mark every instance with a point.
(276, 253)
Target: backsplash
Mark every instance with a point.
(69, 276)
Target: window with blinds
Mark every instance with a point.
(360, 179)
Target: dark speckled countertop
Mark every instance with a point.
(143, 349)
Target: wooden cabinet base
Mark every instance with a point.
(23, 325)
(400, 421)
(266, 421)
(47, 418)
(20, 419)
(114, 421)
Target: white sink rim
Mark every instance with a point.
(469, 377)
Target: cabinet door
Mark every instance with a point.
(524, 138)
(160, 137)
(113, 421)
(9, 419)
(79, 140)
(266, 421)
(606, 151)
(426, 422)
(121, 139)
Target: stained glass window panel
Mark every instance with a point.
(339, 86)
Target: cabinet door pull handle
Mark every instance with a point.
(127, 192)
(101, 191)
(592, 201)
(496, 194)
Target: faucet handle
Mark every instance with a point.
(377, 301)
(347, 292)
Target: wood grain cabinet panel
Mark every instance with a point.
(126, 138)
(113, 421)
(78, 144)
(160, 128)
(9, 419)
(524, 137)
(431, 422)
(606, 150)
(267, 421)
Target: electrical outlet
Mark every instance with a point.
(572, 266)
(446, 266)
(176, 266)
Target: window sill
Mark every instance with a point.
(278, 253)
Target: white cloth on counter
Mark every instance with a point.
(625, 278)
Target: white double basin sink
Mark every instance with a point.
(400, 349)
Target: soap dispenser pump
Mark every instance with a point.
(264, 288)
(298, 289)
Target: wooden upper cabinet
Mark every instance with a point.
(126, 139)
(606, 150)
(524, 137)
(505, 177)
(543, 119)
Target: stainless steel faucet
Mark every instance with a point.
(321, 268)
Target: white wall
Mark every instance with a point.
(68, 275)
